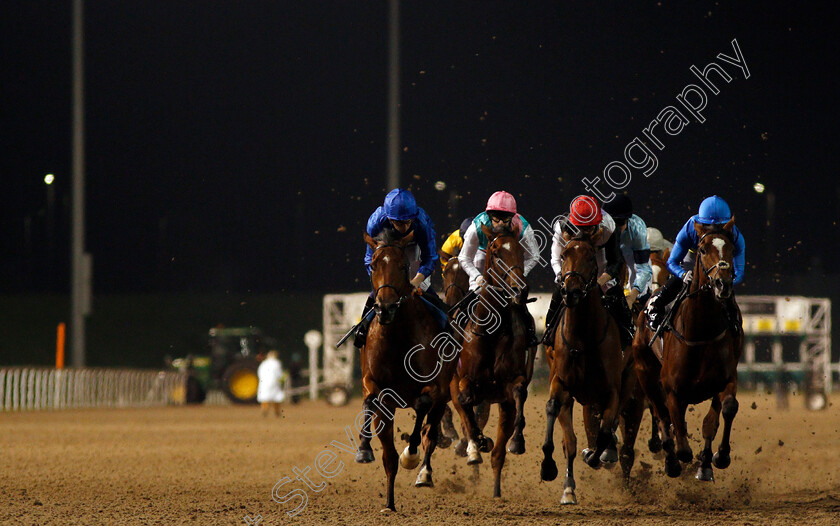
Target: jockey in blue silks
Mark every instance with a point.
(713, 211)
(401, 215)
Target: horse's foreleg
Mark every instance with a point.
(431, 436)
(468, 423)
(730, 409)
(507, 422)
(548, 469)
(605, 446)
(447, 433)
(677, 408)
(569, 447)
(364, 454)
(517, 443)
(410, 459)
(654, 442)
(648, 370)
(476, 440)
(631, 418)
(390, 457)
(590, 427)
(710, 428)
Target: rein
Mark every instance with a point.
(402, 297)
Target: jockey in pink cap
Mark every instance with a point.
(500, 211)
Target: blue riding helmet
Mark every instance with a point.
(713, 211)
(400, 205)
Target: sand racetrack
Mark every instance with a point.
(217, 465)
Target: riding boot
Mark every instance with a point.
(620, 312)
(530, 329)
(655, 310)
(551, 317)
(435, 300)
(361, 332)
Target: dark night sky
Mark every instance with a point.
(242, 145)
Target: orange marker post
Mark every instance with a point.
(59, 346)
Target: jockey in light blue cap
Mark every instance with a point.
(401, 215)
(713, 211)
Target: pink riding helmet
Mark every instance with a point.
(501, 202)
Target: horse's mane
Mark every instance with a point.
(388, 236)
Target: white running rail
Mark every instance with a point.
(30, 388)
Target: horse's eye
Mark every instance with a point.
(702, 250)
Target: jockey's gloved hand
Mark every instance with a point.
(476, 283)
(688, 276)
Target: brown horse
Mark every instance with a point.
(697, 359)
(496, 364)
(456, 284)
(586, 365)
(404, 338)
(659, 268)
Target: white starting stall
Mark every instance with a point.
(805, 321)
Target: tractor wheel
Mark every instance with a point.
(240, 382)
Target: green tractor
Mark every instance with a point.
(231, 367)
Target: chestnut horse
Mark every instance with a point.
(496, 364)
(456, 284)
(402, 339)
(587, 365)
(659, 269)
(697, 359)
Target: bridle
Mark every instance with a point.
(588, 284)
(402, 297)
(491, 256)
(720, 265)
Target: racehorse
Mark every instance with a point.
(496, 364)
(456, 285)
(697, 359)
(587, 365)
(659, 268)
(402, 323)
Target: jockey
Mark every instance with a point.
(401, 213)
(452, 246)
(713, 211)
(500, 211)
(585, 215)
(634, 246)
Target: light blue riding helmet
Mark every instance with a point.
(400, 205)
(713, 211)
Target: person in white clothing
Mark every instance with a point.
(270, 390)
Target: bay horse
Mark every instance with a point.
(456, 285)
(697, 359)
(402, 323)
(496, 364)
(586, 364)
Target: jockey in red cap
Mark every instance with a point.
(586, 216)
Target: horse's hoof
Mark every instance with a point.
(409, 461)
(705, 474)
(486, 445)
(568, 496)
(473, 456)
(461, 448)
(424, 479)
(655, 445)
(609, 457)
(673, 468)
(591, 459)
(516, 445)
(364, 456)
(388, 510)
(548, 470)
(721, 460)
(444, 441)
(685, 455)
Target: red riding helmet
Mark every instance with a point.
(585, 211)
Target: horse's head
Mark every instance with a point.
(455, 281)
(579, 266)
(715, 251)
(389, 273)
(504, 267)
